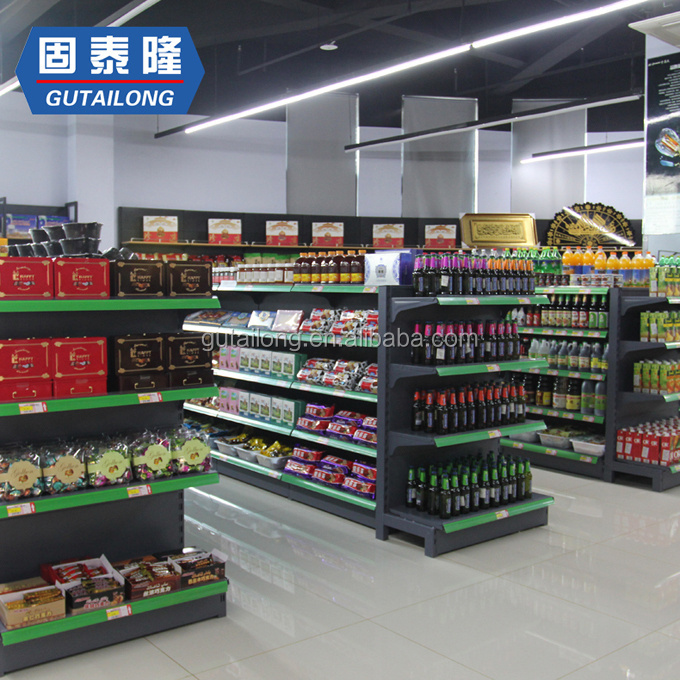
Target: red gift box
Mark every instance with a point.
(79, 387)
(26, 278)
(25, 390)
(24, 359)
(81, 278)
(78, 357)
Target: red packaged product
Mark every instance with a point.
(79, 387)
(82, 278)
(24, 359)
(77, 357)
(372, 316)
(25, 390)
(312, 424)
(329, 477)
(311, 455)
(319, 410)
(341, 431)
(299, 468)
(330, 462)
(366, 437)
(359, 487)
(365, 471)
(352, 416)
(368, 384)
(23, 278)
(372, 370)
(370, 423)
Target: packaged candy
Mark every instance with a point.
(339, 379)
(343, 431)
(190, 451)
(313, 376)
(312, 424)
(237, 319)
(63, 468)
(261, 319)
(330, 477)
(366, 438)
(321, 364)
(319, 410)
(323, 314)
(151, 457)
(364, 471)
(209, 317)
(300, 469)
(310, 455)
(370, 423)
(20, 473)
(367, 384)
(359, 487)
(349, 366)
(335, 463)
(350, 417)
(108, 463)
(346, 326)
(371, 370)
(288, 320)
(314, 326)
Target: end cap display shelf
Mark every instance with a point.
(107, 305)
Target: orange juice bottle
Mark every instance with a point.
(568, 262)
(577, 261)
(638, 269)
(649, 262)
(613, 266)
(588, 261)
(600, 262)
(626, 267)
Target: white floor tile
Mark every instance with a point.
(546, 481)
(637, 589)
(509, 632)
(363, 651)
(655, 657)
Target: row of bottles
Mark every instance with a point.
(329, 267)
(468, 407)
(566, 311)
(468, 485)
(587, 397)
(473, 273)
(624, 270)
(589, 357)
(441, 343)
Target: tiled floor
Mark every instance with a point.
(593, 596)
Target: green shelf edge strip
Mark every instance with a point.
(234, 418)
(568, 332)
(492, 300)
(334, 288)
(334, 443)
(672, 345)
(109, 400)
(671, 397)
(108, 304)
(253, 377)
(255, 288)
(567, 374)
(320, 389)
(575, 290)
(466, 369)
(566, 415)
(79, 499)
(495, 515)
(73, 622)
(483, 435)
(548, 451)
(297, 481)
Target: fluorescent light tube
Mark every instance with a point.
(584, 150)
(9, 85)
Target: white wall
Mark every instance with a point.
(379, 182)
(494, 179)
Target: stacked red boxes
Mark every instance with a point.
(26, 278)
(25, 369)
(657, 443)
(81, 278)
(80, 366)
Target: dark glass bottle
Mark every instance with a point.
(500, 343)
(471, 410)
(442, 415)
(417, 413)
(468, 276)
(505, 484)
(576, 312)
(457, 275)
(520, 479)
(583, 312)
(464, 493)
(455, 495)
(482, 416)
(430, 276)
(453, 412)
(492, 405)
(444, 275)
(495, 488)
(521, 404)
(419, 277)
(433, 494)
(346, 268)
(505, 403)
(438, 340)
(484, 489)
(411, 486)
(417, 346)
(474, 491)
(528, 480)
(478, 344)
(421, 491)
(469, 344)
(445, 498)
(491, 343)
(512, 404)
(463, 424)
(512, 481)
(517, 342)
(452, 348)
(428, 346)
(429, 417)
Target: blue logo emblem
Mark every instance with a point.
(109, 70)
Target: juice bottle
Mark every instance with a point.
(600, 261)
(613, 265)
(357, 267)
(638, 270)
(316, 268)
(306, 268)
(324, 268)
(588, 261)
(334, 265)
(626, 268)
(296, 268)
(345, 266)
(650, 262)
(577, 261)
(568, 262)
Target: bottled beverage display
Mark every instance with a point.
(656, 376)
(325, 268)
(468, 484)
(438, 343)
(477, 406)
(660, 326)
(566, 355)
(561, 393)
(581, 312)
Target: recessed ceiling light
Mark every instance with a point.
(329, 46)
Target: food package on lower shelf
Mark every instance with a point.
(359, 487)
(87, 594)
(306, 454)
(151, 457)
(76, 570)
(197, 568)
(148, 579)
(29, 607)
(63, 467)
(299, 468)
(334, 463)
(190, 451)
(657, 443)
(333, 478)
(108, 463)
(20, 473)
(311, 424)
(23, 584)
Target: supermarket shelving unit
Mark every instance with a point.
(120, 521)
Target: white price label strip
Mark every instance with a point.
(118, 612)
(492, 368)
(317, 289)
(137, 491)
(21, 509)
(150, 398)
(502, 514)
(33, 407)
(370, 289)
(523, 301)
(472, 301)
(494, 433)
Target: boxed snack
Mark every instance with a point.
(254, 405)
(291, 363)
(69, 572)
(24, 278)
(238, 320)
(388, 268)
(254, 360)
(234, 399)
(160, 228)
(287, 321)
(310, 455)
(261, 319)
(77, 357)
(244, 403)
(20, 474)
(87, 594)
(23, 584)
(292, 410)
(28, 607)
(388, 235)
(199, 568)
(233, 358)
(265, 407)
(329, 477)
(209, 317)
(151, 457)
(440, 236)
(81, 278)
(134, 354)
(276, 413)
(26, 390)
(108, 463)
(25, 359)
(244, 358)
(224, 231)
(19, 226)
(186, 350)
(265, 364)
(281, 233)
(300, 468)
(320, 410)
(137, 279)
(63, 468)
(327, 233)
(148, 579)
(142, 382)
(189, 279)
(223, 398)
(188, 377)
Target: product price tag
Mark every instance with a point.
(32, 407)
(550, 452)
(471, 301)
(502, 514)
(274, 474)
(150, 398)
(554, 414)
(578, 334)
(674, 468)
(370, 289)
(588, 419)
(317, 289)
(558, 333)
(534, 370)
(137, 491)
(246, 286)
(493, 434)
(574, 375)
(517, 445)
(524, 301)
(568, 416)
(586, 459)
(493, 368)
(21, 509)
(118, 612)
(552, 371)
